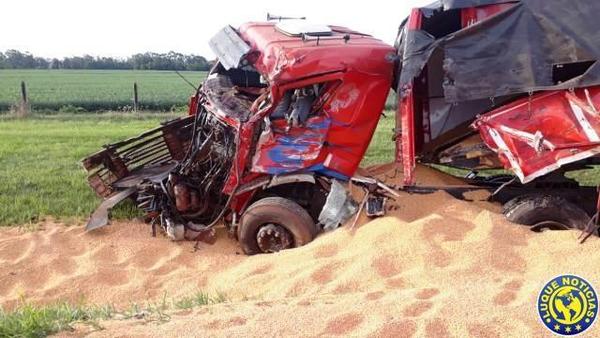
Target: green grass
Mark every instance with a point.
(382, 147)
(33, 321)
(77, 91)
(41, 176)
(199, 299)
(40, 173)
(29, 320)
(40, 170)
(95, 90)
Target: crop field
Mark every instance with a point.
(94, 90)
(76, 91)
(39, 161)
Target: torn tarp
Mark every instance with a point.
(516, 51)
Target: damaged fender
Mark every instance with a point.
(100, 217)
(535, 136)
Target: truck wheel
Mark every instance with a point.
(545, 212)
(273, 224)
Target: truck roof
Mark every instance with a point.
(274, 52)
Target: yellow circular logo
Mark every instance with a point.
(567, 305)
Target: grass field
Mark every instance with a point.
(101, 90)
(39, 162)
(95, 90)
(40, 173)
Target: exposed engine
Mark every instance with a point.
(189, 199)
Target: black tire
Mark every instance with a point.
(545, 212)
(511, 204)
(275, 210)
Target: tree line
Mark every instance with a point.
(14, 59)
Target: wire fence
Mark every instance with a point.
(90, 91)
(82, 91)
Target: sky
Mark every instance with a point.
(120, 28)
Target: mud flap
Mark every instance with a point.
(100, 217)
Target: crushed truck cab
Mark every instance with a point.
(286, 114)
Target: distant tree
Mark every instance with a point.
(14, 59)
(41, 63)
(55, 64)
(196, 62)
(3, 64)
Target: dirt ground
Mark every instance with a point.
(435, 267)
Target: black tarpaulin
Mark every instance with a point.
(517, 51)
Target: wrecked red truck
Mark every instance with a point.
(287, 112)
(284, 119)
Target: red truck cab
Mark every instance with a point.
(283, 118)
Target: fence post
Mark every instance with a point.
(23, 92)
(135, 97)
(23, 108)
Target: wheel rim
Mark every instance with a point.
(549, 225)
(273, 238)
